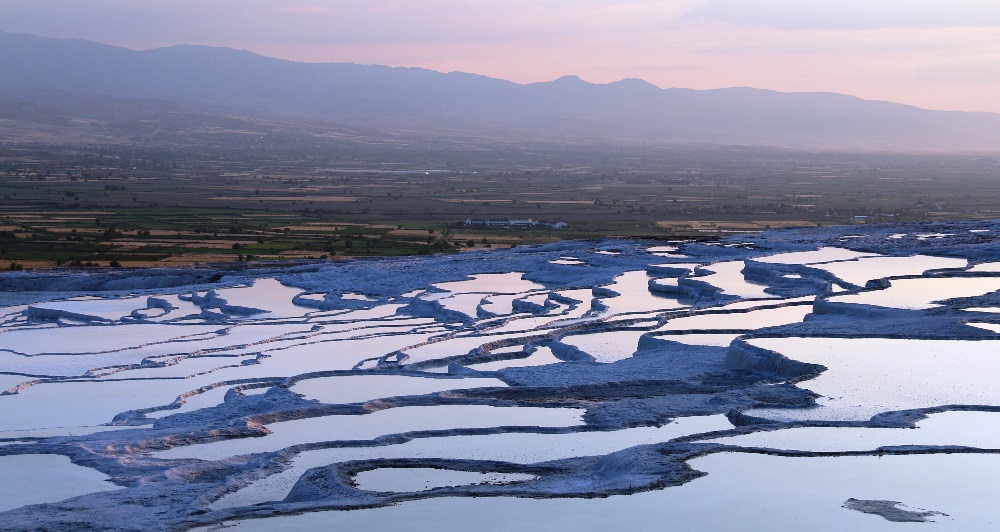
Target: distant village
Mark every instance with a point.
(515, 224)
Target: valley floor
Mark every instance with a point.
(814, 378)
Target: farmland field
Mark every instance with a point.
(167, 206)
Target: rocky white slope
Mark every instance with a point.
(806, 378)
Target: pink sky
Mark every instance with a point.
(930, 53)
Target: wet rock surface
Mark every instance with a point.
(890, 510)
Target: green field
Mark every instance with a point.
(143, 207)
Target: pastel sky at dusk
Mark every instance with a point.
(939, 54)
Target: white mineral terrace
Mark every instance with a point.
(762, 492)
(572, 386)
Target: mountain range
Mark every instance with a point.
(51, 88)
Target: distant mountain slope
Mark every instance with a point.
(413, 99)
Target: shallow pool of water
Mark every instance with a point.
(521, 448)
(920, 293)
(60, 431)
(541, 357)
(96, 339)
(491, 283)
(268, 295)
(40, 478)
(10, 381)
(465, 303)
(452, 347)
(635, 296)
(986, 267)
(753, 319)
(400, 479)
(873, 375)
(361, 388)
(728, 276)
(823, 254)
(966, 429)
(741, 492)
(861, 271)
(389, 421)
(98, 309)
(607, 346)
(717, 340)
(186, 367)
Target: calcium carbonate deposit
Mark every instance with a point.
(820, 379)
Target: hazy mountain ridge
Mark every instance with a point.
(222, 80)
(62, 117)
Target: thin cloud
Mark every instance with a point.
(850, 14)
